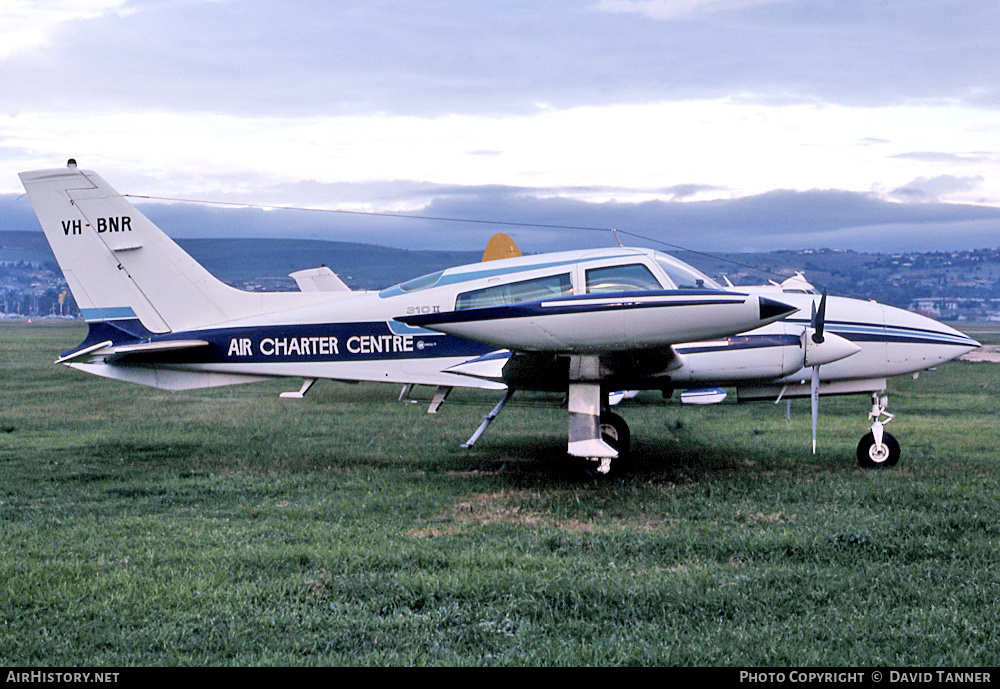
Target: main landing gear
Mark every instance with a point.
(614, 432)
(597, 437)
(607, 458)
(878, 448)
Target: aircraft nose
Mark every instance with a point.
(917, 340)
(944, 334)
(771, 310)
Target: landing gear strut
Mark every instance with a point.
(584, 402)
(878, 448)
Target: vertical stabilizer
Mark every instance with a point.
(121, 267)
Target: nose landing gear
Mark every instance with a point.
(878, 448)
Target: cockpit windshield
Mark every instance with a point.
(414, 285)
(683, 275)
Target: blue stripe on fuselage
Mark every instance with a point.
(867, 332)
(320, 342)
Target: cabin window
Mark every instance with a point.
(628, 278)
(514, 292)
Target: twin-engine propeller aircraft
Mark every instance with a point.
(587, 323)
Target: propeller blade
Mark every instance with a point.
(814, 401)
(819, 319)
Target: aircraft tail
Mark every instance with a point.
(123, 271)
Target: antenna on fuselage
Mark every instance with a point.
(617, 238)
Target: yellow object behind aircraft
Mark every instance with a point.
(500, 246)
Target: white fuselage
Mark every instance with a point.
(413, 334)
(423, 331)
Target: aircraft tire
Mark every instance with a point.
(615, 432)
(870, 458)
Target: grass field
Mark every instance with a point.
(229, 527)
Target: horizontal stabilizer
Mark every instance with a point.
(165, 378)
(320, 279)
(117, 353)
(155, 347)
(73, 356)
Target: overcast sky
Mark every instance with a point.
(707, 124)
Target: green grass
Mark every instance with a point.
(986, 333)
(230, 527)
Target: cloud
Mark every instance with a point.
(434, 57)
(463, 218)
(633, 113)
(29, 26)
(946, 157)
(924, 189)
(682, 192)
(672, 9)
(775, 220)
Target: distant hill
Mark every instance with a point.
(897, 279)
(240, 261)
(368, 266)
(361, 266)
(973, 277)
(30, 247)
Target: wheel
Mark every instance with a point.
(870, 456)
(615, 432)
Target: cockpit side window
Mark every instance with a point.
(514, 292)
(684, 276)
(626, 278)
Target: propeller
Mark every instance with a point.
(818, 322)
(814, 401)
(818, 319)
